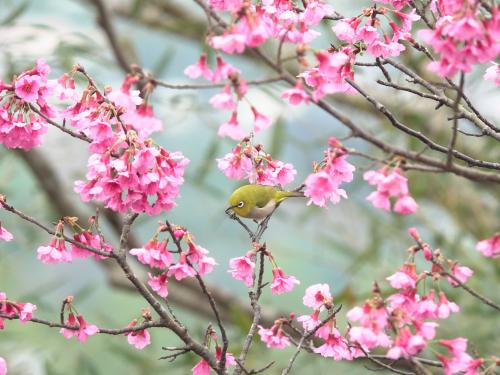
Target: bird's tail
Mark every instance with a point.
(282, 195)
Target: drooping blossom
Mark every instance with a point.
(260, 121)
(390, 184)
(55, 252)
(253, 163)
(242, 268)
(5, 235)
(404, 279)
(3, 366)
(154, 254)
(282, 283)
(232, 128)
(406, 344)
(335, 345)
(159, 284)
(493, 74)
(199, 69)
(490, 247)
(83, 331)
(296, 95)
(236, 164)
(462, 273)
(203, 368)
(181, 269)
(324, 185)
(224, 99)
(311, 321)
(273, 337)
(462, 37)
(138, 339)
(90, 240)
(23, 311)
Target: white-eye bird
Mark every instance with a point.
(257, 201)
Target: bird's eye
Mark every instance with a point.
(241, 204)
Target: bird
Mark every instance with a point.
(256, 202)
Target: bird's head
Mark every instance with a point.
(240, 203)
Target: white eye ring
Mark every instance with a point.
(241, 204)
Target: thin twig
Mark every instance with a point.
(454, 134)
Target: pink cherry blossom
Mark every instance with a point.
(490, 247)
(154, 254)
(404, 279)
(138, 339)
(273, 337)
(201, 368)
(3, 366)
(493, 74)
(181, 269)
(27, 86)
(230, 42)
(56, 252)
(315, 11)
(405, 205)
(335, 346)
(232, 128)
(235, 165)
(260, 121)
(159, 284)
(446, 307)
(317, 296)
(227, 5)
(462, 273)
(406, 345)
(199, 69)
(282, 283)
(90, 240)
(242, 268)
(5, 235)
(84, 329)
(26, 311)
(224, 100)
(309, 322)
(296, 95)
(390, 184)
(323, 185)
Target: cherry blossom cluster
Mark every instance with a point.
(126, 171)
(323, 185)
(23, 311)
(58, 251)
(230, 97)
(243, 268)
(156, 255)
(279, 20)
(390, 183)
(203, 367)
(3, 366)
(20, 126)
(464, 35)
(248, 161)
(335, 345)
(405, 322)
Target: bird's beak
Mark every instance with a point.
(230, 208)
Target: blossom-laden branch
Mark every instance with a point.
(107, 331)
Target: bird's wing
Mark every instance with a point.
(262, 198)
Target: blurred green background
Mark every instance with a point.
(347, 246)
